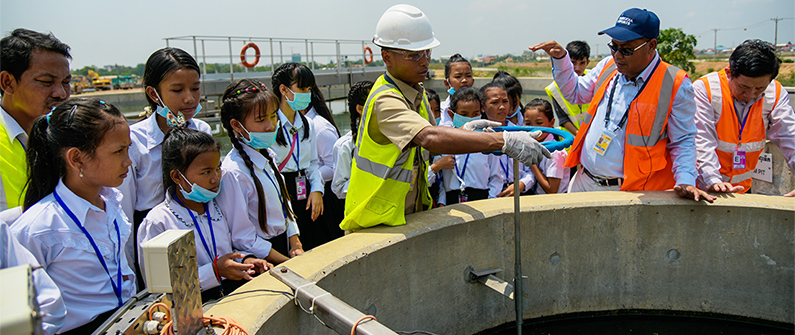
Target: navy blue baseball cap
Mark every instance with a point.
(633, 24)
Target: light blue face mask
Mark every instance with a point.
(172, 119)
(197, 193)
(518, 109)
(259, 141)
(451, 91)
(300, 100)
(459, 120)
(438, 119)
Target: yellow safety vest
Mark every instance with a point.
(381, 174)
(574, 111)
(13, 168)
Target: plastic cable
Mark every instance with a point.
(366, 317)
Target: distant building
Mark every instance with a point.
(296, 58)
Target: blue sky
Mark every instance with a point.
(103, 32)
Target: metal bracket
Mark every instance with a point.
(487, 277)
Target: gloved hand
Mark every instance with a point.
(523, 147)
(480, 124)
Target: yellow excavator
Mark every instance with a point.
(98, 83)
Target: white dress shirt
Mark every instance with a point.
(15, 132)
(444, 106)
(47, 294)
(681, 125)
(238, 201)
(68, 257)
(169, 214)
(325, 137)
(780, 128)
(143, 187)
(305, 151)
(343, 159)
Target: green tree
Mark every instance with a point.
(676, 47)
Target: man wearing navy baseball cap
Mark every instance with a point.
(639, 131)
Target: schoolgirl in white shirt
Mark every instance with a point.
(326, 134)
(296, 151)
(73, 223)
(473, 175)
(550, 175)
(343, 148)
(255, 199)
(192, 179)
(172, 87)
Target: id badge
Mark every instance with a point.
(414, 172)
(603, 142)
(739, 160)
(462, 197)
(300, 187)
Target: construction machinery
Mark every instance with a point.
(99, 83)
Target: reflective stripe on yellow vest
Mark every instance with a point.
(13, 168)
(575, 112)
(727, 127)
(381, 175)
(647, 160)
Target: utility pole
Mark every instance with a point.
(715, 43)
(775, 34)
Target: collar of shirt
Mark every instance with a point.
(311, 114)
(741, 108)
(153, 133)
(13, 128)
(286, 122)
(412, 93)
(259, 161)
(80, 206)
(646, 73)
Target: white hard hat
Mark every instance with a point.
(404, 27)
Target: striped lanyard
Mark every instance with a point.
(284, 207)
(116, 288)
(460, 174)
(297, 148)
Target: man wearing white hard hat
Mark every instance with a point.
(397, 130)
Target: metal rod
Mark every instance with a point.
(204, 66)
(517, 284)
(231, 65)
(273, 66)
(306, 44)
(281, 53)
(313, 55)
(338, 58)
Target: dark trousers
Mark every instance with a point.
(472, 195)
(313, 233)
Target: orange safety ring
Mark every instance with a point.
(366, 51)
(243, 55)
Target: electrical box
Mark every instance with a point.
(157, 273)
(19, 312)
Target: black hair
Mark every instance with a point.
(484, 88)
(432, 95)
(17, 48)
(288, 74)
(181, 147)
(512, 86)
(319, 103)
(241, 98)
(543, 105)
(465, 94)
(754, 58)
(357, 96)
(578, 50)
(80, 123)
(162, 63)
(454, 59)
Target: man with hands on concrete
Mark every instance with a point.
(638, 132)
(397, 131)
(737, 108)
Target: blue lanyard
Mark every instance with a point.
(463, 170)
(284, 208)
(116, 289)
(504, 166)
(214, 255)
(742, 126)
(629, 106)
(297, 148)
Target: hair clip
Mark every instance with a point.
(71, 115)
(102, 102)
(249, 89)
(49, 114)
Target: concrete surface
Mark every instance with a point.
(581, 252)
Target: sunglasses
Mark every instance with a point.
(624, 51)
(414, 56)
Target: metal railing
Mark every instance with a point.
(341, 54)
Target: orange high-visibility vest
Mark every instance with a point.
(647, 161)
(752, 138)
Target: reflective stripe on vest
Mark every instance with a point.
(381, 174)
(13, 169)
(727, 127)
(647, 162)
(575, 112)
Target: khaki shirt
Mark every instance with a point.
(398, 121)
